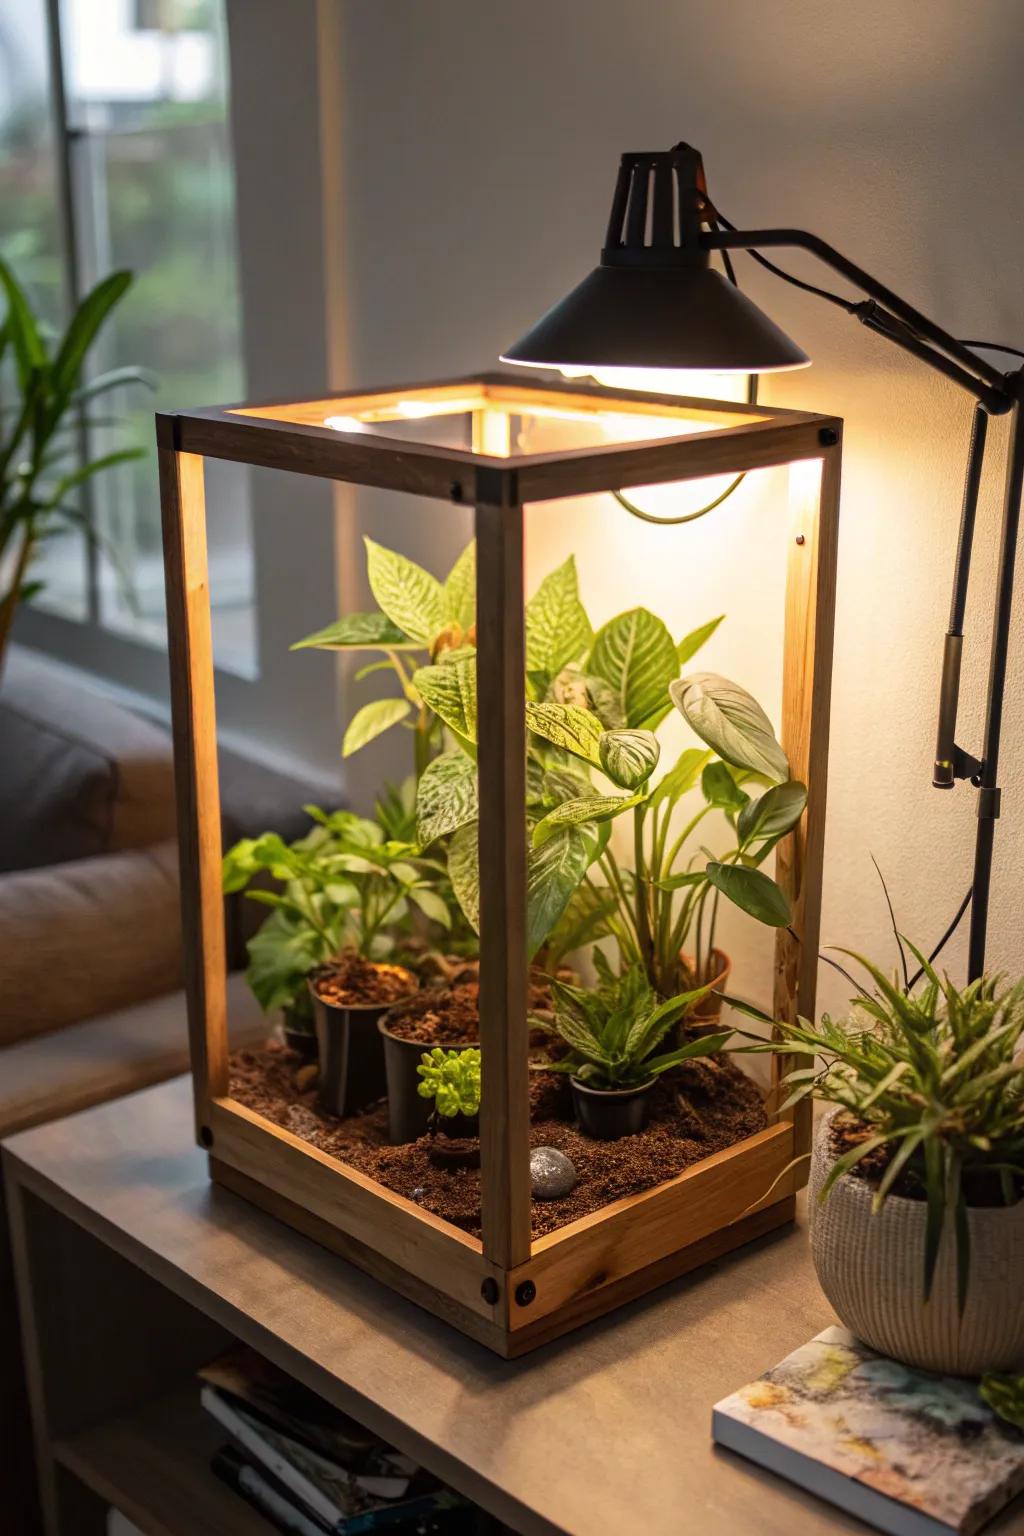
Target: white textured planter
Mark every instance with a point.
(871, 1268)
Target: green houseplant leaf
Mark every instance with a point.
(372, 721)
(447, 797)
(753, 891)
(458, 597)
(573, 813)
(409, 595)
(636, 655)
(731, 721)
(557, 628)
(574, 730)
(449, 689)
(763, 821)
(553, 872)
(359, 632)
(681, 777)
(690, 644)
(464, 872)
(720, 789)
(629, 757)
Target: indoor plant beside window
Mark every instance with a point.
(917, 1174)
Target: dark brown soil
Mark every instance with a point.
(981, 1187)
(352, 981)
(449, 1016)
(702, 1107)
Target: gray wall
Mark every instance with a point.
(479, 145)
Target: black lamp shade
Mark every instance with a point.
(654, 302)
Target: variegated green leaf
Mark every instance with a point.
(464, 872)
(557, 628)
(572, 813)
(629, 757)
(449, 689)
(447, 796)
(553, 873)
(636, 655)
(575, 730)
(587, 691)
(371, 721)
(408, 594)
(458, 600)
(731, 721)
(358, 632)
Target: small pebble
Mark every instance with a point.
(418, 1192)
(552, 1174)
(306, 1076)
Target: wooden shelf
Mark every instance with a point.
(154, 1466)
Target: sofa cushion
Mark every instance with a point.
(104, 1058)
(87, 937)
(79, 775)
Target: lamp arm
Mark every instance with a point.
(895, 319)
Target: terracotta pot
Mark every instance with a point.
(706, 1017)
(871, 1268)
(608, 1113)
(351, 1053)
(408, 1113)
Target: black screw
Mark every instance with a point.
(828, 437)
(489, 1290)
(455, 490)
(206, 1136)
(525, 1292)
(800, 539)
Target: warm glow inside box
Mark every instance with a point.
(595, 653)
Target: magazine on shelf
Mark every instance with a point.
(910, 1452)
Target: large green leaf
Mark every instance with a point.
(29, 351)
(447, 797)
(408, 594)
(371, 721)
(575, 730)
(553, 873)
(690, 644)
(731, 721)
(464, 872)
(449, 689)
(458, 597)
(720, 789)
(557, 628)
(84, 325)
(572, 813)
(753, 891)
(629, 757)
(636, 655)
(682, 777)
(763, 821)
(359, 632)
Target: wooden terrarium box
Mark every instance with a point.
(509, 458)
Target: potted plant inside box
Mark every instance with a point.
(342, 911)
(450, 1081)
(613, 1033)
(917, 1174)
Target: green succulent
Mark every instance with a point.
(1005, 1396)
(452, 1080)
(613, 1032)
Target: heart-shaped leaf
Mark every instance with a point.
(635, 653)
(753, 891)
(358, 632)
(371, 721)
(449, 689)
(764, 821)
(731, 721)
(408, 594)
(629, 757)
(447, 797)
(557, 628)
(574, 730)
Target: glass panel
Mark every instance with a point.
(30, 239)
(147, 93)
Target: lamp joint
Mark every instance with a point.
(989, 798)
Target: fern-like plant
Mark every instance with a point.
(934, 1074)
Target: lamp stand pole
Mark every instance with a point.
(996, 393)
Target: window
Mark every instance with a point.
(145, 183)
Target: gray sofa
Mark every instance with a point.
(91, 1006)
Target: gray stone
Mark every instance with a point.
(552, 1174)
(418, 1192)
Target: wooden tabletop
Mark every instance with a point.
(604, 1433)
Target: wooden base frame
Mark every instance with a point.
(506, 1291)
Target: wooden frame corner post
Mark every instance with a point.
(193, 712)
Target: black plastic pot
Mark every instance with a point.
(351, 1055)
(608, 1113)
(299, 1033)
(408, 1114)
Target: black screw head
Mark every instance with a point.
(455, 490)
(489, 1290)
(800, 539)
(525, 1292)
(828, 437)
(206, 1136)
